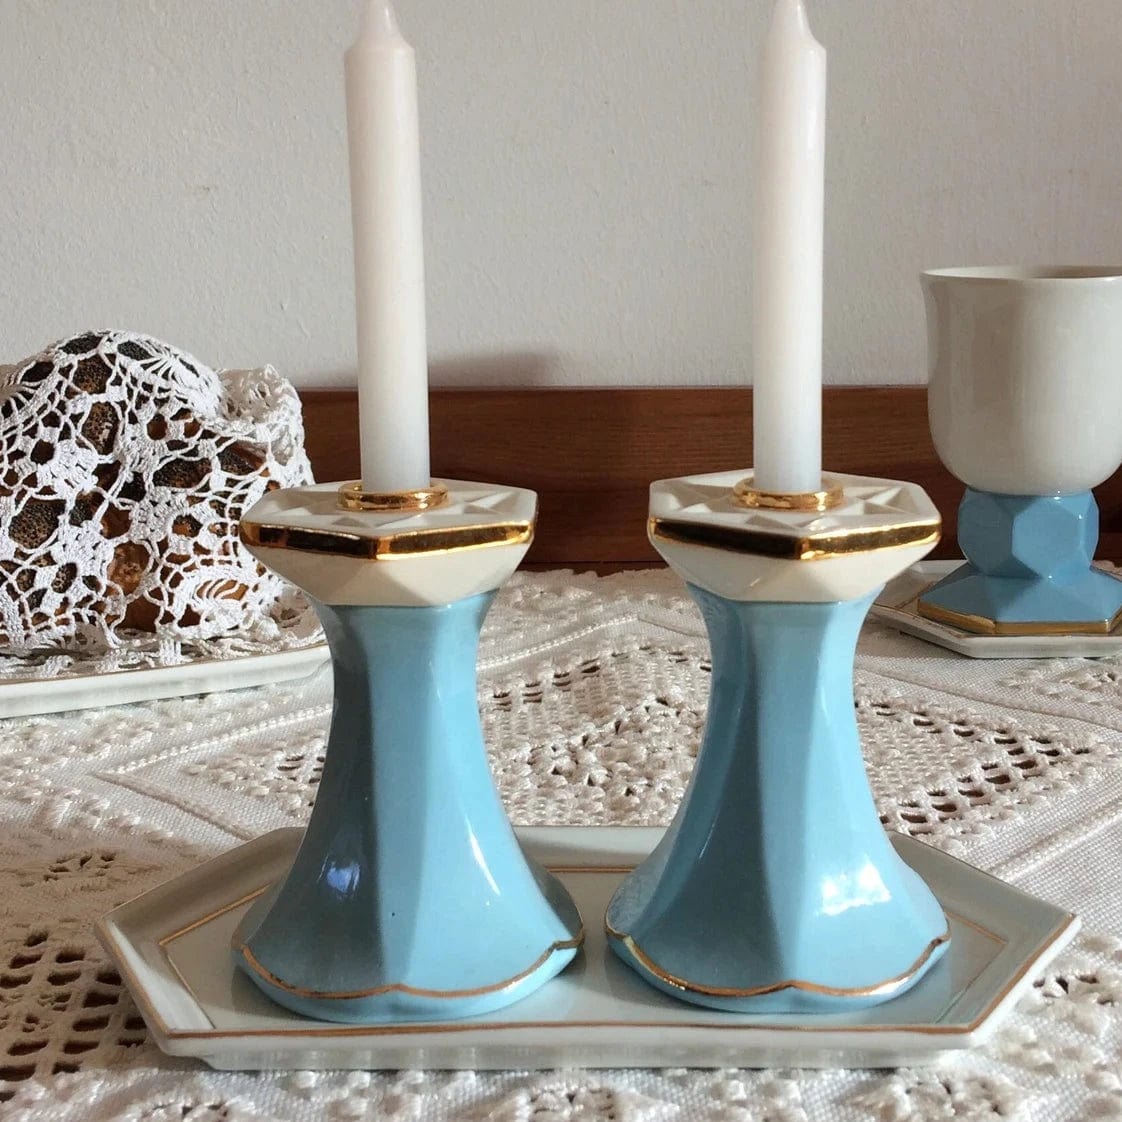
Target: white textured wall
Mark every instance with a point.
(179, 167)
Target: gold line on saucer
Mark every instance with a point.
(983, 625)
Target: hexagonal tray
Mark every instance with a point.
(172, 947)
(897, 607)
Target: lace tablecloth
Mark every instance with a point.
(593, 692)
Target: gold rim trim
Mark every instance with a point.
(353, 497)
(202, 921)
(781, 547)
(983, 625)
(831, 495)
(444, 539)
(887, 986)
(402, 987)
(153, 1017)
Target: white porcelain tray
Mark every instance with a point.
(24, 697)
(897, 607)
(172, 947)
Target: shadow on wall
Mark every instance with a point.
(526, 369)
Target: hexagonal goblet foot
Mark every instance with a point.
(776, 889)
(410, 898)
(1028, 570)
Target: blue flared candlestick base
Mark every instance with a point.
(776, 889)
(1028, 570)
(410, 898)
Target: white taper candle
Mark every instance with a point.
(384, 141)
(789, 173)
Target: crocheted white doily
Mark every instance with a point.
(125, 465)
(593, 693)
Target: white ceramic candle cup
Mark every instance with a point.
(1025, 392)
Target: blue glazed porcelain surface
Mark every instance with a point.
(410, 898)
(776, 888)
(1028, 562)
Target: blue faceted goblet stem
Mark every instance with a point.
(1028, 568)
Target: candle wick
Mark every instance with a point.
(790, 18)
(379, 20)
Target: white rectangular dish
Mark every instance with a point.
(25, 697)
(172, 947)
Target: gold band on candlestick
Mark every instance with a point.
(353, 497)
(831, 495)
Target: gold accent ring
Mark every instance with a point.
(831, 495)
(353, 497)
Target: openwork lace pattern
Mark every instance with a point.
(125, 465)
(593, 693)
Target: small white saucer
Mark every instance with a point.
(75, 689)
(172, 947)
(897, 607)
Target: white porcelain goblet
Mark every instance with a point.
(1024, 399)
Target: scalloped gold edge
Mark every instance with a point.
(153, 1016)
(401, 987)
(889, 985)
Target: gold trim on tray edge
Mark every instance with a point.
(387, 547)
(887, 986)
(781, 547)
(983, 625)
(412, 1029)
(985, 932)
(141, 997)
(202, 921)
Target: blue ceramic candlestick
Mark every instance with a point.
(410, 898)
(1028, 568)
(776, 889)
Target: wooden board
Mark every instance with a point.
(591, 454)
